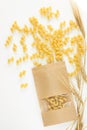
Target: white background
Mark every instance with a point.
(19, 108)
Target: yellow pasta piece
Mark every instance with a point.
(8, 41)
(50, 27)
(37, 64)
(22, 40)
(14, 47)
(56, 14)
(24, 85)
(25, 29)
(15, 26)
(22, 73)
(10, 60)
(24, 47)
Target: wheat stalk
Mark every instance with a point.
(82, 74)
(79, 22)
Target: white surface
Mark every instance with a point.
(19, 108)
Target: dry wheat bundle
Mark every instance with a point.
(81, 76)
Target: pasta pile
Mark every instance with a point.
(50, 44)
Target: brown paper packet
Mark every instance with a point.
(53, 92)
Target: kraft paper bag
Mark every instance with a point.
(55, 98)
